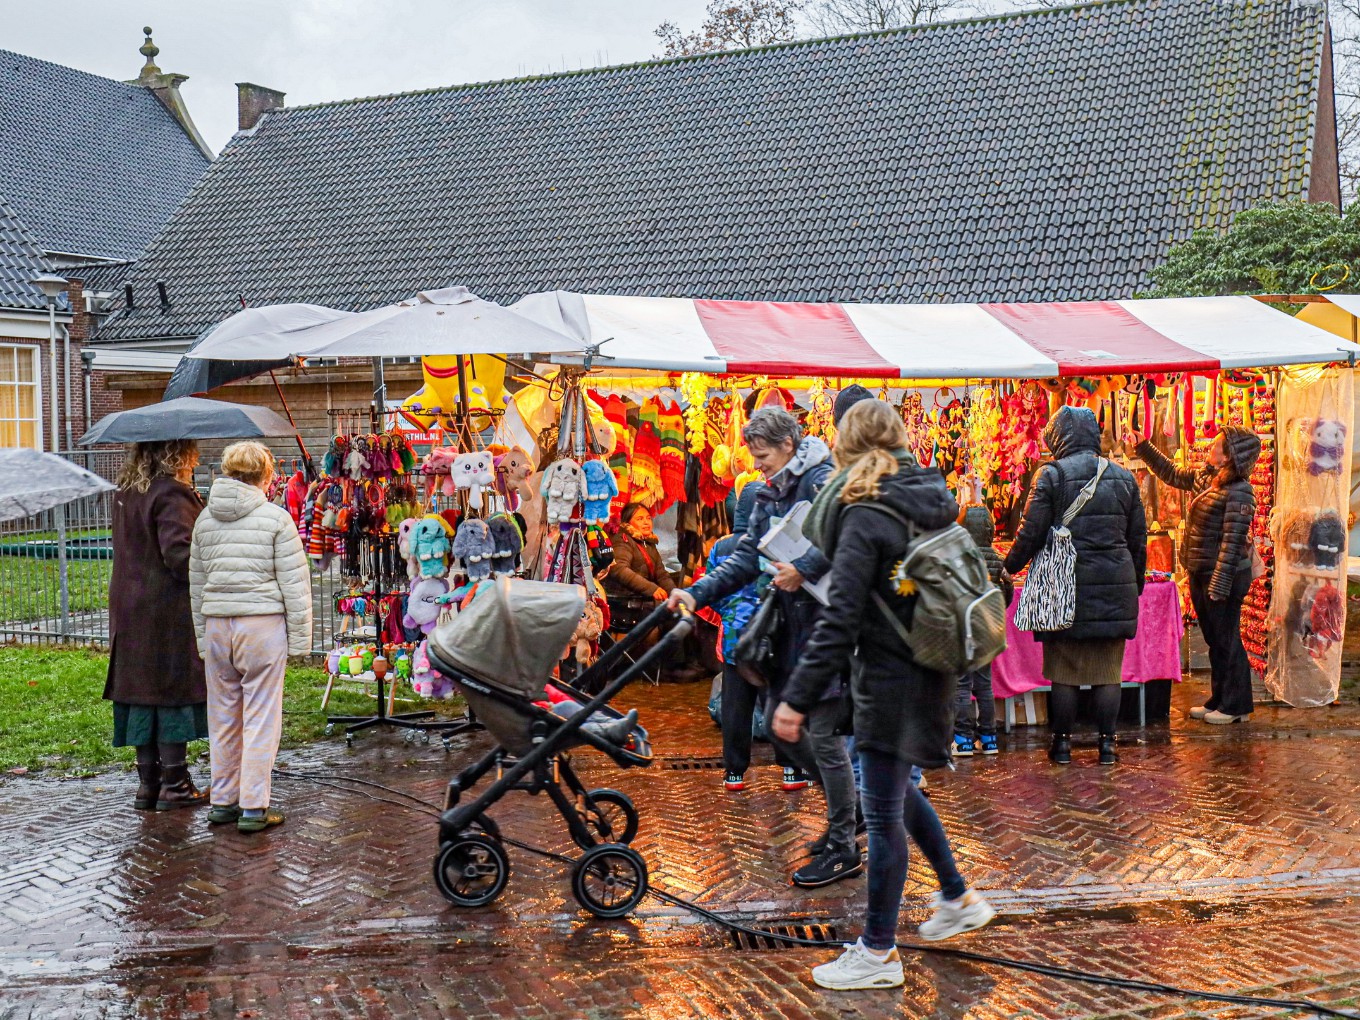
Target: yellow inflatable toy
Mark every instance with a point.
(437, 400)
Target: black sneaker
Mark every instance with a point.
(794, 780)
(831, 866)
(817, 848)
(734, 781)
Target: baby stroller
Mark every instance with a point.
(499, 652)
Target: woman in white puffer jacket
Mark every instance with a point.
(251, 594)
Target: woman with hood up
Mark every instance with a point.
(903, 713)
(795, 467)
(1217, 553)
(1110, 538)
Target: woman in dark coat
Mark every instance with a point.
(1110, 537)
(637, 569)
(155, 674)
(903, 713)
(1217, 554)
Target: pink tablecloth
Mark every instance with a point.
(1155, 654)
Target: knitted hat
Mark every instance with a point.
(846, 399)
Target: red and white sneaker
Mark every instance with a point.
(734, 782)
(795, 780)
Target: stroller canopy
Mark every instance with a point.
(513, 632)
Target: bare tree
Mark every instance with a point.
(1345, 19)
(840, 17)
(734, 25)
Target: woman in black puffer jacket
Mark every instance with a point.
(1110, 536)
(1217, 554)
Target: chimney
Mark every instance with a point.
(165, 87)
(253, 102)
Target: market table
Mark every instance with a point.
(1155, 654)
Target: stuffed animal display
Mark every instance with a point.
(474, 547)
(1326, 447)
(423, 606)
(428, 682)
(600, 488)
(440, 462)
(430, 546)
(563, 488)
(472, 471)
(512, 470)
(507, 542)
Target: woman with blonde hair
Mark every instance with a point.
(903, 713)
(155, 675)
(252, 605)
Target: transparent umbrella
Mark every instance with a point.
(32, 481)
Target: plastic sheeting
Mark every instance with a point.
(1314, 439)
(513, 633)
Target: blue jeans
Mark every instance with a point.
(916, 774)
(894, 808)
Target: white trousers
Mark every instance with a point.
(246, 656)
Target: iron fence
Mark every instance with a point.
(55, 569)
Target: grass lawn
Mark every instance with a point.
(53, 717)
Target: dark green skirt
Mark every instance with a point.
(159, 724)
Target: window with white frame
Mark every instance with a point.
(20, 406)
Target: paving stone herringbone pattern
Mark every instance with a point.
(1228, 860)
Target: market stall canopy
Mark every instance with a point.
(269, 325)
(32, 481)
(934, 341)
(187, 418)
(451, 321)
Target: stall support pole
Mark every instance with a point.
(378, 407)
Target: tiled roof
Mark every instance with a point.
(20, 261)
(1044, 156)
(94, 166)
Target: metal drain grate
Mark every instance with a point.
(763, 943)
(691, 764)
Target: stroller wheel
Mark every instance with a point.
(472, 870)
(613, 819)
(609, 880)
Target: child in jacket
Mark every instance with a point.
(980, 737)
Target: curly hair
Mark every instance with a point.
(871, 436)
(148, 461)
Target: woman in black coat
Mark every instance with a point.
(155, 677)
(903, 713)
(1217, 554)
(1110, 537)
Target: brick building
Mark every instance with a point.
(1051, 155)
(90, 169)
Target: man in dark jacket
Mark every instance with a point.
(1110, 538)
(795, 468)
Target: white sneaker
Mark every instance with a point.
(1199, 713)
(953, 917)
(857, 967)
(1223, 718)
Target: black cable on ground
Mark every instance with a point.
(425, 807)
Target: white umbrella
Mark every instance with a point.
(32, 481)
(451, 321)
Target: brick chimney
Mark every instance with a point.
(253, 102)
(165, 87)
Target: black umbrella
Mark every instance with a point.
(187, 418)
(192, 375)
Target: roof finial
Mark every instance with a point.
(149, 50)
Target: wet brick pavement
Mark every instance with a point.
(1222, 859)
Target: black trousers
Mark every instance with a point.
(1221, 625)
(740, 701)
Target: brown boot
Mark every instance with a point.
(149, 787)
(178, 789)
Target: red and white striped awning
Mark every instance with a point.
(934, 341)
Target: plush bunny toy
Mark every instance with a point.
(430, 546)
(507, 541)
(404, 546)
(600, 489)
(472, 471)
(422, 610)
(440, 462)
(473, 545)
(563, 488)
(512, 473)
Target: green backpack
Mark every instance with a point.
(959, 623)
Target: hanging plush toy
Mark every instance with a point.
(563, 489)
(430, 546)
(1327, 539)
(440, 463)
(472, 471)
(600, 489)
(474, 548)
(1326, 447)
(507, 543)
(512, 471)
(422, 605)
(404, 530)
(587, 632)
(425, 680)
(357, 461)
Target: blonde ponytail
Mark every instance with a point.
(868, 442)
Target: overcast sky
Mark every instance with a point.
(319, 50)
